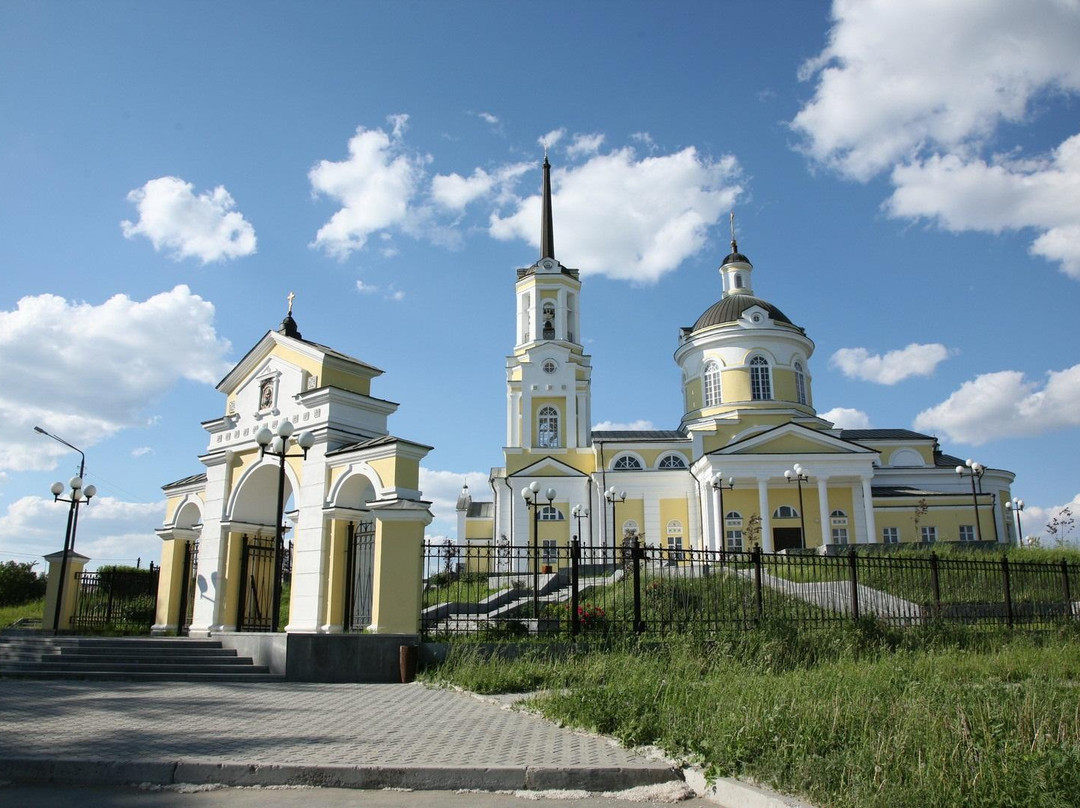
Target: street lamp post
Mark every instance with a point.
(579, 514)
(798, 475)
(78, 495)
(1017, 506)
(277, 445)
(975, 471)
(719, 485)
(531, 496)
(614, 498)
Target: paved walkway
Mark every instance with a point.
(370, 736)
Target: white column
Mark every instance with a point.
(213, 547)
(560, 314)
(868, 507)
(823, 506)
(718, 542)
(570, 428)
(766, 517)
(311, 547)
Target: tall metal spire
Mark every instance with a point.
(547, 231)
(734, 246)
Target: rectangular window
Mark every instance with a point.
(734, 540)
(675, 548)
(967, 532)
(890, 535)
(550, 551)
(929, 534)
(839, 535)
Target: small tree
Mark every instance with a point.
(752, 532)
(19, 583)
(1060, 526)
(921, 509)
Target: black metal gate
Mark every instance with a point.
(116, 600)
(188, 587)
(257, 564)
(359, 574)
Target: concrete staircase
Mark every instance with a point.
(126, 659)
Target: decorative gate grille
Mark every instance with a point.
(256, 584)
(188, 586)
(119, 600)
(360, 565)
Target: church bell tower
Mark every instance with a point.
(548, 375)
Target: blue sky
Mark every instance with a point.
(905, 180)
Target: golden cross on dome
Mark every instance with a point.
(292, 297)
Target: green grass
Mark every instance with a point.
(467, 589)
(34, 608)
(852, 716)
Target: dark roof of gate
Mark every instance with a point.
(194, 478)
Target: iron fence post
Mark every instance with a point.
(575, 558)
(1065, 588)
(637, 555)
(1008, 591)
(758, 595)
(241, 607)
(854, 577)
(935, 583)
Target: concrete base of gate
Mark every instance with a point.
(324, 657)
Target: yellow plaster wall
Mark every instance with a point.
(693, 394)
(674, 509)
(479, 528)
(397, 580)
(170, 583)
(735, 384)
(631, 509)
(945, 513)
(335, 591)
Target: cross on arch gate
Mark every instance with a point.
(359, 574)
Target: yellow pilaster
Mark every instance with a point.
(170, 586)
(75, 565)
(396, 590)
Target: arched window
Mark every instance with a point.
(838, 514)
(800, 383)
(733, 516)
(785, 512)
(733, 535)
(712, 384)
(760, 383)
(547, 434)
(672, 461)
(549, 513)
(738, 281)
(549, 310)
(629, 528)
(627, 462)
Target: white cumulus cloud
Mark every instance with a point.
(441, 489)
(585, 145)
(929, 110)
(1005, 404)
(630, 218)
(188, 225)
(847, 418)
(892, 367)
(84, 371)
(376, 187)
(616, 426)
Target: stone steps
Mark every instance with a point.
(126, 658)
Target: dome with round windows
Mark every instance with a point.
(731, 307)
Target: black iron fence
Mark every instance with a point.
(123, 601)
(506, 592)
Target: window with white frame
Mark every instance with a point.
(626, 462)
(785, 512)
(672, 461)
(734, 540)
(549, 513)
(712, 384)
(928, 533)
(890, 535)
(800, 383)
(733, 535)
(760, 381)
(551, 552)
(839, 535)
(967, 532)
(675, 539)
(547, 433)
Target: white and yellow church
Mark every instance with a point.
(302, 439)
(749, 463)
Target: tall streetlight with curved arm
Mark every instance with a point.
(1016, 506)
(798, 475)
(975, 471)
(530, 494)
(277, 445)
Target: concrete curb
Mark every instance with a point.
(420, 778)
(732, 793)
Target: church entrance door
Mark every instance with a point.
(787, 538)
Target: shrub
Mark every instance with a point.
(19, 583)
